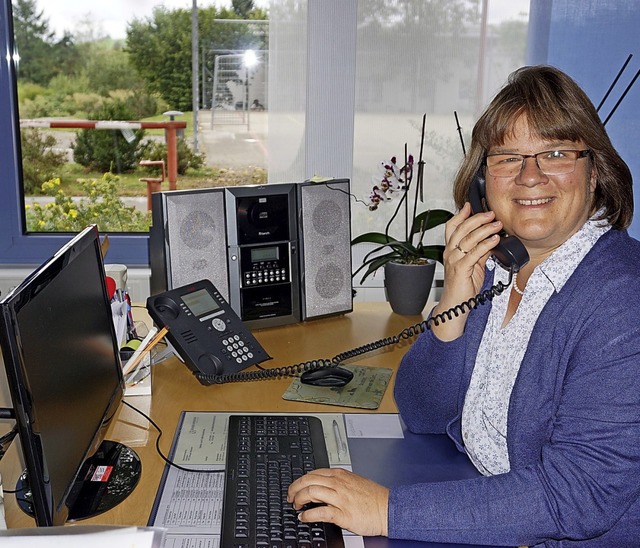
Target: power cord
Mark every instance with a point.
(159, 451)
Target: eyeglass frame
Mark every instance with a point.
(581, 154)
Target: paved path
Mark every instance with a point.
(234, 145)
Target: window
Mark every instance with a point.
(70, 64)
(348, 83)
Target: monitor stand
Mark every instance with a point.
(105, 480)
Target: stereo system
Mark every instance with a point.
(278, 253)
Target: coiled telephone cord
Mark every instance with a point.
(409, 332)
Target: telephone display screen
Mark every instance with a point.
(200, 302)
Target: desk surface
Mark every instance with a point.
(175, 389)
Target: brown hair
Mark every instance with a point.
(556, 108)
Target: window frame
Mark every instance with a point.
(16, 246)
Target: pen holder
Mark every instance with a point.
(119, 274)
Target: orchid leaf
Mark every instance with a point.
(430, 218)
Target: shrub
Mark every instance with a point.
(108, 150)
(102, 206)
(140, 103)
(187, 158)
(82, 102)
(29, 90)
(39, 161)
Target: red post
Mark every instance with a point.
(171, 135)
(172, 154)
(154, 184)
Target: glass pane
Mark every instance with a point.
(416, 58)
(432, 58)
(106, 110)
(412, 57)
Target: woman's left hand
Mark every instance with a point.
(348, 500)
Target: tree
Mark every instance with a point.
(41, 56)
(108, 150)
(442, 25)
(160, 47)
(108, 68)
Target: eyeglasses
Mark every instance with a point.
(550, 162)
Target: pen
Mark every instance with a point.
(143, 349)
(342, 447)
(126, 369)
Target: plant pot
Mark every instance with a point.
(407, 286)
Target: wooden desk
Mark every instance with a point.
(175, 389)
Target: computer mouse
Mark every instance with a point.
(327, 376)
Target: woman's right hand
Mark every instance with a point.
(469, 240)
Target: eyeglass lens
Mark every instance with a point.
(554, 162)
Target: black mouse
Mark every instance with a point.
(327, 376)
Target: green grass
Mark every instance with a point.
(130, 184)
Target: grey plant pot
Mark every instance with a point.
(407, 286)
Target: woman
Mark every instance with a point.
(540, 387)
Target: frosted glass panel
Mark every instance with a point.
(412, 57)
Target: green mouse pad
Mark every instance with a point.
(365, 390)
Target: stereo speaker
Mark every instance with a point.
(188, 239)
(324, 224)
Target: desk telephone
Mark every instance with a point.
(204, 330)
(213, 342)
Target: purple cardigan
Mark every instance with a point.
(573, 424)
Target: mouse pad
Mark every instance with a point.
(364, 391)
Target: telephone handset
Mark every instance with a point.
(510, 252)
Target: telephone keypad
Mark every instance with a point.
(236, 349)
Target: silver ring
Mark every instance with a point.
(457, 246)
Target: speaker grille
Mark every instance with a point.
(326, 248)
(196, 238)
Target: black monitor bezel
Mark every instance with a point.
(46, 510)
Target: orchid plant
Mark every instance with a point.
(397, 181)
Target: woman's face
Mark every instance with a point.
(541, 210)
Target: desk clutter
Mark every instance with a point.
(134, 339)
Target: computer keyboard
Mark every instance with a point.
(264, 455)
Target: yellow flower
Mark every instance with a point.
(73, 213)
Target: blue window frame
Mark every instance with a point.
(17, 247)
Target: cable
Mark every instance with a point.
(162, 455)
(7, 413)
(407, 333)
(355, 198)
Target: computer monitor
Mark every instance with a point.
(65, 378)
